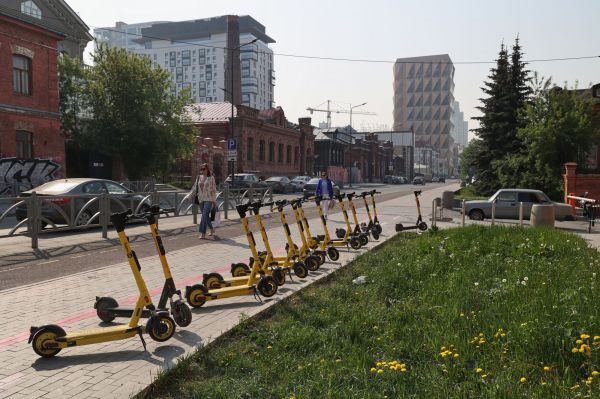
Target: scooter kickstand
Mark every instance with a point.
(256, 295)
(142, 338)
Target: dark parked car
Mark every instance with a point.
(72, 206)
(388, 179)
(245, 180)
(311, 187)
(418, 180)
(280, 184)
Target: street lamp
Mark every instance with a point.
(351, 108)
(231, 91)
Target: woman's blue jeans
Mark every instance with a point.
(205, 208)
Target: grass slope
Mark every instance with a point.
(472, 312)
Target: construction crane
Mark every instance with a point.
(339, 111)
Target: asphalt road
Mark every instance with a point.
(28, 268)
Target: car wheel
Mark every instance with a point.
(84, 218)
(476, 214)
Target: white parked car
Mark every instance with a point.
(299, 182)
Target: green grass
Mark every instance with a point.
(508, 301)
(468, 193)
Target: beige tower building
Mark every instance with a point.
(423, 101)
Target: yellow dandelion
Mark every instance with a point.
(544, 383)
(522, 380)
(481, 334)
(484, 376)
(338, 360)
(456, 355)
(373, 369)
(576, 386)
(584, 336)
(380, 371)
(575, 350)
(462, 314)
(579, 342)
(443, 348)
(589, 382)
(300, 367)
(403, 370)
(547, 368)
(478, 370)
(595, 373)
(269, 347)
(596, 337)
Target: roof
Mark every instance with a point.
(336, 135)
(210, 112)
(203, 28)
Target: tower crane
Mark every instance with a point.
(339, 111)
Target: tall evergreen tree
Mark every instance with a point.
(520, 93)
(493, 123)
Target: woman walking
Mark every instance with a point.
(206, 191)
(325, 189)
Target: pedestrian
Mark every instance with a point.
(206, 192)
(325, 190)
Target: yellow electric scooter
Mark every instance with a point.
(373, 227)
(49, 340)
(341, 233)
(420, 224)
(324, 242)
(107, 308)
(197, 295)
(275, 266)
(312, 259)
(345, 236)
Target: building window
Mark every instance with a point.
(172, 59)
(21, 75)
(280, 153)
(289, 154)
(179, 75)
(261, 150)
(296, 154)
(185, 58)
(250, 149)
(24, 145)
(271, 151)
(31, 9)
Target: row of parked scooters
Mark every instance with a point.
(262, 276)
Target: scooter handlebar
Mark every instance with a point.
(281, 203)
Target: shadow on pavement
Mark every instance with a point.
(67, 360)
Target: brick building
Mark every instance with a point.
(267, 144)
(32, 35)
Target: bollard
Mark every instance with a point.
(521, 213)
(573, 203)
(104, 210)
(464, 211)
(226, 207)
(493, 212)
(194, 211)
(433, 212)
(34, 223)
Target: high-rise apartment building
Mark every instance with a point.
(197, 55)
(423, 101)
(461, 127)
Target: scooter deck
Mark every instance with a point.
(228, 292)
(97, 335)
(128, 312)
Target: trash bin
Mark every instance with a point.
(542, 215)
(447, 199)
(437, 202)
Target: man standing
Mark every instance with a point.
(325, 190)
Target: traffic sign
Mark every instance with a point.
(232, 153)
(231, 158)
(231, 144)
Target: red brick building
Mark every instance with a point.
(32, 35)
(267, 144)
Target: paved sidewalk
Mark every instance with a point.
(121, 368)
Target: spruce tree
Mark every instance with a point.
(519, 96)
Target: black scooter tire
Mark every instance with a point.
(378, 228)
(375, 235)
(312, 263)
(192, 293)
(213, 280)
(333, 253)
(355, 243)
(422, 226)
(104, 303)
(321, 256)
(267, 286)
(43, 334)
(364, 239)
(278, 276)
(240, 269)
(300, 269)
(160, 328)
(181, 313)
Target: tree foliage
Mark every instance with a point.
(506, 92)
(71, 77)
(558, 129)
(133, 116)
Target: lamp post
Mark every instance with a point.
(231, 93)
(351, 108)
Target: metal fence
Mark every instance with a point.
(39, 214)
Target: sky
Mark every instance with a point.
(386, 30)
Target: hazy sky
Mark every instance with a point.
(386, 30)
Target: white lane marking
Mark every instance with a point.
(78, 256)
(48, 261)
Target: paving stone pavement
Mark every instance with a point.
(121, 368)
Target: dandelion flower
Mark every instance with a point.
(380, 371)
(478, 370)
(584, 336)
(403, 370)
(373, 369)
(269, 347)
(547, 368)
(484, 376)
(574, 350)
(576, 386)
(595, 373)
(456, 355)
(338, 360)
(523, 380)
(579, 342)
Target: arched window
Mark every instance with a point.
(24, 144)
(21, 75)
(280, 153)
(289, 154)
(271, 151)
(31, 9)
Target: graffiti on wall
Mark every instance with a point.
(20, 175)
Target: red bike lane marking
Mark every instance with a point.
(124, 301)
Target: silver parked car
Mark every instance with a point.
(507, 205)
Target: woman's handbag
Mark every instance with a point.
(195, 191)
(331, 204)
(213, 213)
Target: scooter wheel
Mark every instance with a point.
(333, 253)
(375, 235)
(240, 269)
(194, 295)
(422, 226)
(300, 269)
(160, 328)
(364, 239)
(278, 276)
(320, 256)
(340, 233)
(181, 313)
(267, 286)
(311, 263)
(102, 305)
(213, 280)
(378, 228)
(47, 335)
(399, 227)
(355, 243)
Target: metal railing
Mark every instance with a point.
(39, 214)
